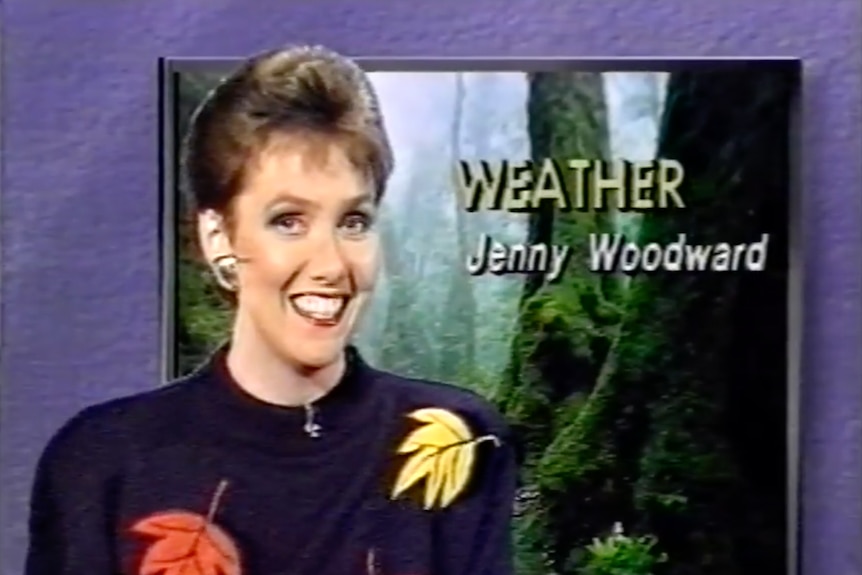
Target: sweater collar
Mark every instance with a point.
(238, 415)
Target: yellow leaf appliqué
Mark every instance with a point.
(442, 452)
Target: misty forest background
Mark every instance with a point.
(652, 409)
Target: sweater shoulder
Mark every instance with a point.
(116, 426)
(414, 393)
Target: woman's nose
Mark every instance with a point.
(326, 260)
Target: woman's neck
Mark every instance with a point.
(261, 373)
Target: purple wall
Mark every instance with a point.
(81, 314)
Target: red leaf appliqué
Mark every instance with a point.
(188, 543)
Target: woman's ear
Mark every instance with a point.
(213, 236)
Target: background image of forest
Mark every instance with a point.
(657, 403)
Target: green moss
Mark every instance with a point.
(530, 539)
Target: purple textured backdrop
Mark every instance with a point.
(80, 264)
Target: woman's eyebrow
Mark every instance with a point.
(287, 198)
(360, 199)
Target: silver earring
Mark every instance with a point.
(224, 271)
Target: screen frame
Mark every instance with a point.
(168, 140)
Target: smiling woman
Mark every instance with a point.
(285, 452)
(305, 261)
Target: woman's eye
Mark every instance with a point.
(356, 224)
(288, 223)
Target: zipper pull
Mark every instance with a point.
(311, 427)
(371, 563)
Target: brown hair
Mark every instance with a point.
(310, 91)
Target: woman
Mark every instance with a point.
(285, 454)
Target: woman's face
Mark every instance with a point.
(302, 228)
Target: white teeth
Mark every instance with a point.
(319, 307)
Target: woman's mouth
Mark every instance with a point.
(321, 309)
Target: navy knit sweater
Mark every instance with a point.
(383, 476)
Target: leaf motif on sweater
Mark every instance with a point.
(442, 452)
(187, 543)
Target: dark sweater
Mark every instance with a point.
(198, 477)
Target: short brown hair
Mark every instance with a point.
(298, 90)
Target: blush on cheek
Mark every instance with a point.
(365, 282)
(275, 272)
(366, 269)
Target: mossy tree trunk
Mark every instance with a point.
(658, 445)
(566, 328)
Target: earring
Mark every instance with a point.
(224, 270)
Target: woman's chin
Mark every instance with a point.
(314, 356)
